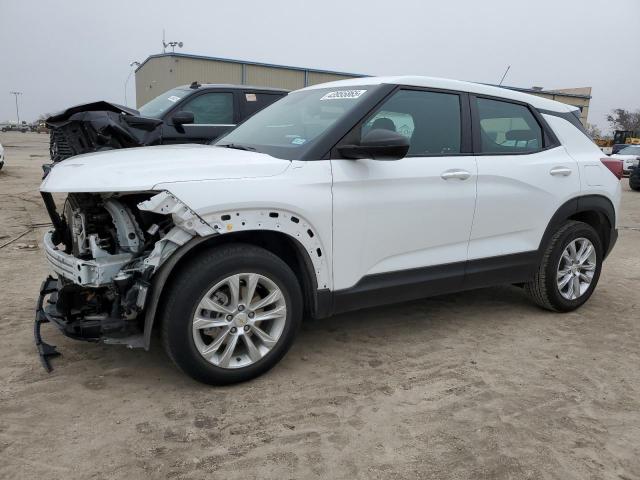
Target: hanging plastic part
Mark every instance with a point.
(45, 351)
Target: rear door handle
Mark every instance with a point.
(455, 174)
(561, 171)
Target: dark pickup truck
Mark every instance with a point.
(188, 114)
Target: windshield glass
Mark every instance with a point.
(156, 107)
(632, 150)
(289, 127)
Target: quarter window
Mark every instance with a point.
(211, 108)
(431, 121)
(507, 127)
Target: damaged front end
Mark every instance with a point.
(98, 126)
(103, 251)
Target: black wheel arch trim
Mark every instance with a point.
(584, 204)
(316, 297)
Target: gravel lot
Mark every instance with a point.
(474, 385)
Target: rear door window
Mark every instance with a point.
(252, 102)
(211, 108)
(507, 127)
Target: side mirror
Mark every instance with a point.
(181, 118)
(378, 144)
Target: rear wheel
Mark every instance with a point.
(634, 179)
(569, 270)
(232, 314)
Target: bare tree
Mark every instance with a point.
(621, 119)
(593, 131)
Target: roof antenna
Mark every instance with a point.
(505, 74)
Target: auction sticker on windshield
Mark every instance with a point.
(173, 98)
(343, 94)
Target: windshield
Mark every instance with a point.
(633, 150)
(289, 127)
(156, 107)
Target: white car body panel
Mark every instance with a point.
(399, 215)
(517, 196)
(595, 178)
(302, 191)
(140, 169)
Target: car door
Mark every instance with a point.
(213, 115)
(407, 222)
(524, 176)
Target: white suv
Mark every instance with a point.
(337, 197)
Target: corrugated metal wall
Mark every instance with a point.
(318, 77)
(159, 74)
(155, 77)
(274, 77)
(206, 71)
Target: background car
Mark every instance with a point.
(14, 127)
(630, 155)
(188, 114)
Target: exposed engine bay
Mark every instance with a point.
(104, 250)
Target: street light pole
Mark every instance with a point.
(134, 65)
(17, 109)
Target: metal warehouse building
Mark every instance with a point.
(159, 73)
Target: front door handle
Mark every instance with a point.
(560, 171)
(455, 174)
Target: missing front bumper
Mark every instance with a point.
(76, 325)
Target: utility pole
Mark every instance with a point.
(17, 109)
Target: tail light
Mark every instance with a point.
(614, 165)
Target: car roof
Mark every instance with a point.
(448, 84)
(234, 87)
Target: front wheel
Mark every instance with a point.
(231, 314)
(569, 269)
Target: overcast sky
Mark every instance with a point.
(66, 52)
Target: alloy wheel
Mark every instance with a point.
(239, 320)
(576, 268)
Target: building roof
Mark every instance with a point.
(245, 62)
(458, 85)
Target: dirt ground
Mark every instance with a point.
(475, 385)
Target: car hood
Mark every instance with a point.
(90, 107)
(139, 169)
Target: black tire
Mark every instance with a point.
(543, 289)
(195, 279)
(634, 179)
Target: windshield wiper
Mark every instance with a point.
(239, 147)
